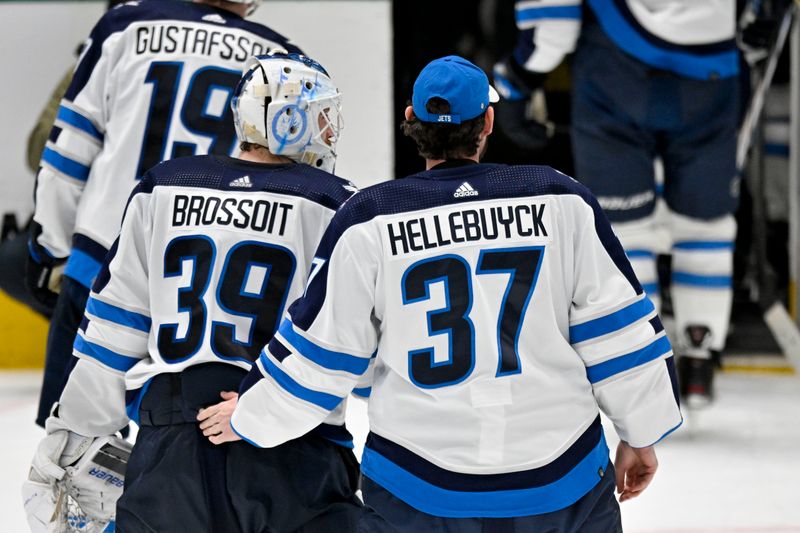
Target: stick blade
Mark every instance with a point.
(785, 331)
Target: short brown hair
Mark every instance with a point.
(444, 141)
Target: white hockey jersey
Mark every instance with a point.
(495, 314)
(692, 38)
(211, 251)
(154, 81)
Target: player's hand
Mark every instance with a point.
(215, 421)
(635, 469)
(512, 119)
(758, 28)
(521, 113)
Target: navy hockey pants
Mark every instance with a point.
(626, 113)
(66, 319)
(596, 512)
(176, 480)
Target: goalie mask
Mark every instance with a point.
(288, 104)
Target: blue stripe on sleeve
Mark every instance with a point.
(651, 288)
(82, 267)
(248, 441)
(363, 392)
(111, 359)
(321, 399)
(625, 362)
(79, 122)
(613, 322)
(548, 12)
(63, 164)
(323, 357)
(117, 315)
(35, 248)
(697, 280)
(669, 432)
(703, 245)
(640, 254)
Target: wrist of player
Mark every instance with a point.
(513, 81)
(215, 421)
(521, 113)
(513, 119)
(43, 274)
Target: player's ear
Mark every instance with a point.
(409, 113)
(488, 124)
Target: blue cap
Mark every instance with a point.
(454, 79)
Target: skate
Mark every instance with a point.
(696, 369)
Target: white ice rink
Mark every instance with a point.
(732, 469)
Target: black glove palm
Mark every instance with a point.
(42, 272)
(511, 119)
(758, 26)
(37, 279)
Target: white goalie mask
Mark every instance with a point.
(288, 103)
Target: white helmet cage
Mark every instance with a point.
(288, 103)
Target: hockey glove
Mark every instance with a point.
(43, 272)
(758, 25)
(521, 113)
(60, 448)
(75, 481)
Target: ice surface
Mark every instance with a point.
(734, 468)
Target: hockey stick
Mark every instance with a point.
(783, 325)
(756, 107)
(777, 319)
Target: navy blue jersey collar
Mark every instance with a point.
(455, 169)
(242, 163)
(453, 163)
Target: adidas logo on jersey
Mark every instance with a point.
(243, 182)
(465, 190)
(215, 18)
